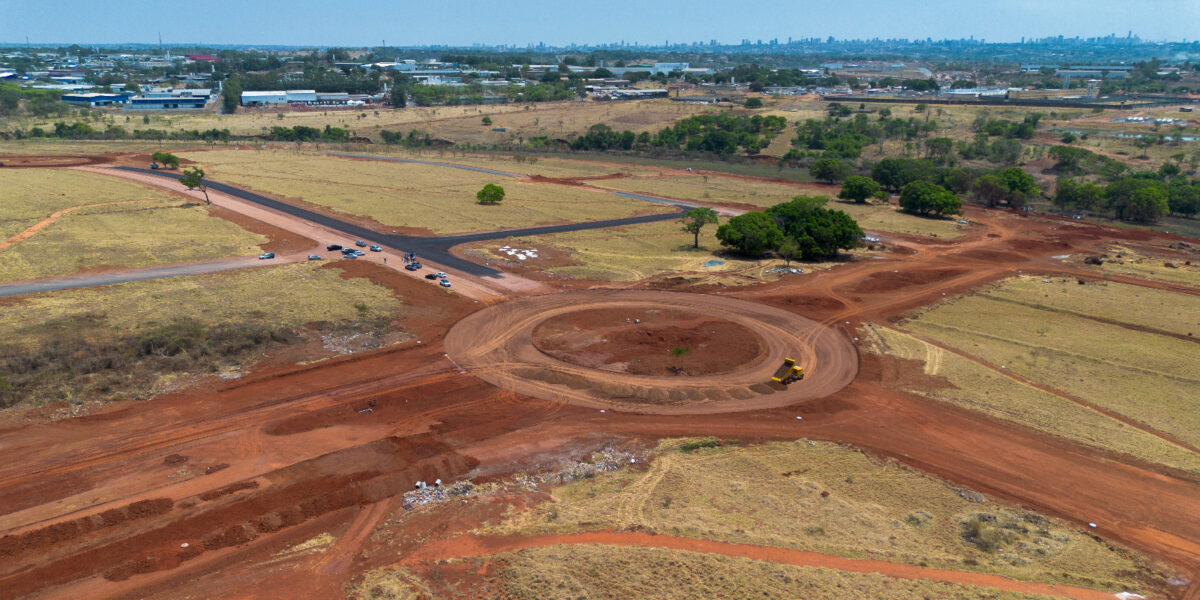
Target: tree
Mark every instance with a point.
(695, 219)
(490, 194)
(829, 170)
(924, 198)
(895, 173)
(1184, 199)
(167, 159)
(754, 102)
(1147, 205)
(939, 149)
(1021, 186)
(752, 233)
(487, 120)
(818, 232)
(231, 95)
(989, 189)
(859, 188)
(399, 96)
(193, 179)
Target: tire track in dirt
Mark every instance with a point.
(476, 546)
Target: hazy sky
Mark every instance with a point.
(350, 23)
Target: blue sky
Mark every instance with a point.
(350, 23)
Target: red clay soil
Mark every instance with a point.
(331, 443)
(475, 546)
(640, 341)
(16, 161)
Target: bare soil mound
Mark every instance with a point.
(648, 341)
(52, 160)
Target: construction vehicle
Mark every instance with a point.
(788, 372)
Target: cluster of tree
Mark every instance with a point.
(722, 134)
(1010, 129)
(1003, 151)
(1073, 161)
(39, 103)
(316, 77)
(80, 130)
(1139, 198)
(846, 138)
(1012, 187)
(301, 133)
(926, 198)
(801, 228)
(414, 139)
(166, 159)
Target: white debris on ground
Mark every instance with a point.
(349, 343)
(792, 270)
(601, 461)
(1128, 596)
(518, 253)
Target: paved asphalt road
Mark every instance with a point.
(436, 249)
(82, 281)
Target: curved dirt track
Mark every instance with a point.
(42, 161)
(496, 345)
(476, 546)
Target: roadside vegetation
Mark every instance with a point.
(828, 498)
(137, 339)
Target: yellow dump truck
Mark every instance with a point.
(788, 373)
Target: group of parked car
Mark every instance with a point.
(352, 252)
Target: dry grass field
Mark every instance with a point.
(249, 295)
(1145, 376)
(1126, 261)
(438, 199)
(762, 194)
(1155, 309)
(117, 223)
(828, 498)
(607, 572)
(976, 387)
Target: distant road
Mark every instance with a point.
(83, 281)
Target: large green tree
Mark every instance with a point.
(695, 219)
(859, 188)
(751, 234)
(490, 194)
(829, 170)
(895, 173)
(924, 198)
(818, 232)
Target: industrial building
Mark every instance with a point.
(167, 103)
(96, 99)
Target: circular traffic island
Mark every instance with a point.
(649, 341)
(651, 351)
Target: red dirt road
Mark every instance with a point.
(99, 507)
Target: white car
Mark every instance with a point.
(444, 283)
(440, 275)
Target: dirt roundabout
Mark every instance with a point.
(15, 161)
(497, 345)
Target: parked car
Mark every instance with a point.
(444, 283)
(431, 276)
(360, 244)
(314, 257)
(413, 266)
(153, 165)
(333, 247)
(351, 256)
(266, 255)
(440, 275)
(375, 248)
(349, 251)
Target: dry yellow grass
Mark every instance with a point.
(391, 583)
(1145, 376)
(762, 194)
(617, 573)
(1135, 305)
(1140, 265)
(154, 228)
(978, 388)
(773, 495)
(436, 198)
(285, 295)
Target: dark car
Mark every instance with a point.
(431, 276)
(266, 255)
(413, 266)
(333, 247)
(314, 257)
(360, 244)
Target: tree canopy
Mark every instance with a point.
(193, 179)
(925, 198)
(819, 232)
(695, 219)
(752, 233)
(490, 194)
(859, 188)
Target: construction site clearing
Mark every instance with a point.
(405, 455)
